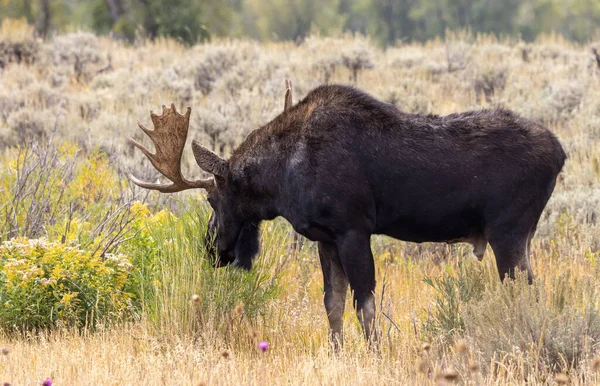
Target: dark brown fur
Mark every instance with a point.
(341, 166)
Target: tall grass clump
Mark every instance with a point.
(189, 297)
(548, 327)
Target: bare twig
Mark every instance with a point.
(383, 287)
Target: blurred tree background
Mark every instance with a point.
(387, 21)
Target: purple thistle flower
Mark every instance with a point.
(47, 382)
(263, 346)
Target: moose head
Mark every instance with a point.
(233, 228)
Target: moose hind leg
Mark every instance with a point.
(357, 260)
(512, 252)
(510, 237)
(336, 287)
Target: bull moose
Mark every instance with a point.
(341, 166)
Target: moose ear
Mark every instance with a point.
(209, 161)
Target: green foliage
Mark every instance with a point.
(48, 190)
(388, 21)
(78, 253)
(181, 268)
(63, 218)
(293, 20)
(46, 284)
(179, 19)
(451, 293)
(144, 249)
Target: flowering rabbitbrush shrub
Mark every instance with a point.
(66, 225)
(47, 284)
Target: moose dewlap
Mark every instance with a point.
(341, 166)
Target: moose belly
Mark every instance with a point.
(430, 220)
(316, 232)
(435, 230)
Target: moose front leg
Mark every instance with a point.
(336, 287)
(357, 259)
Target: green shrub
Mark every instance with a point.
(143, 247)
(452, 291)
(67, 225)
(46, 284)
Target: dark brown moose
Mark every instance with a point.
(341, 166)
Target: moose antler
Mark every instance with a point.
(169, 136)
(288, 95)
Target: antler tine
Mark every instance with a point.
(288, 95)
(145, 130)
(169, 136)
(135, 143)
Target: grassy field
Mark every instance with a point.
(98, 278)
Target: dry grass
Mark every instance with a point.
(99, 88)
(296, 329)
(129, 356)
